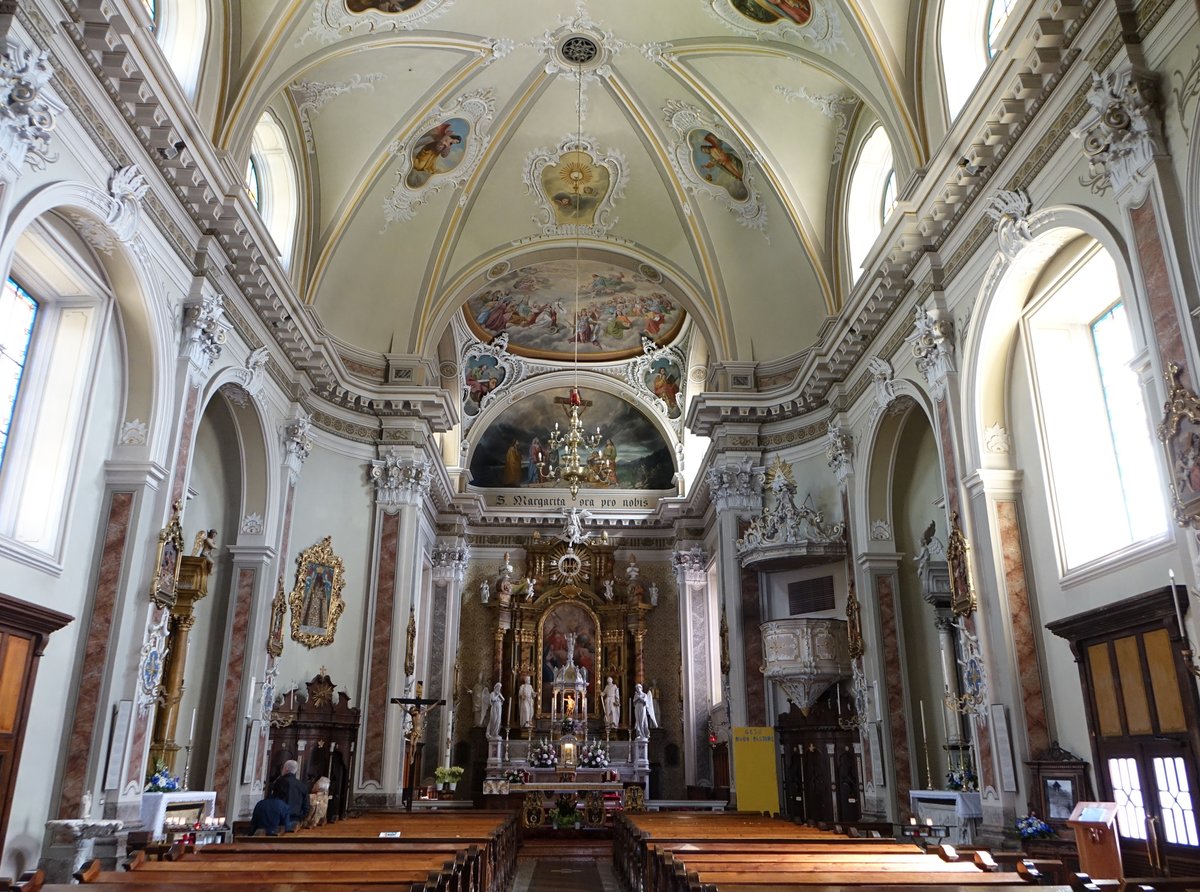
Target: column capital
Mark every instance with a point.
(995, 482)
(932, 343)
(736, 485)
(1122, 131)
(450, 561)
(252, 554)
(400, 479)
(880, 561)
(297, 444)
(839, 452)
(691, 566)
(204, 332)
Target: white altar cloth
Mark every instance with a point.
(965, 808)
(155, 805)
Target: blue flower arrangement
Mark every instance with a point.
(1033, 827)
(961, 778)
(160, 780)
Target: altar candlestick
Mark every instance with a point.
(925, 744)
(945, 727)
(1175, 604)
(192, 730)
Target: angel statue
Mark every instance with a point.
(643, 713)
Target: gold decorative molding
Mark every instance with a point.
(962, 593)
(163, 591)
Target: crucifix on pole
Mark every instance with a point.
(416, 708)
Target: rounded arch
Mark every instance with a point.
(475, 276)
(146, 319)
(987, 352)
(961, 61)
(254, 441)
(879, 446)
(277, 187)
(864, 213)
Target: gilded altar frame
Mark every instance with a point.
(316, 599)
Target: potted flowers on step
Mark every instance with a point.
(448, 776)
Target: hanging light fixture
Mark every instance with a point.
(574, 466)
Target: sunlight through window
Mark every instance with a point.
(18, 310)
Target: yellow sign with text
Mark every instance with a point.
(754, 769)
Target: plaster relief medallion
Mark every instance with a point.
(576, 185)
(658, 373)
(498, 269)
(444, 151)
(809, 21)
(709, 159)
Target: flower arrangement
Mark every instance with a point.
(517, 776)
(565, 815)
(1033, 827)
(543, 755)
(451, 774)
(961, 778)
(593, 755)
(160, 779)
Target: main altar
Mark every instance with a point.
(569, 655)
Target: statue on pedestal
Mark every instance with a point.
(525, 702)
(643, 713)
(611, 698)
(495, 713)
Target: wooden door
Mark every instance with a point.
(24, 630)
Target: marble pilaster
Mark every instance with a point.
(696, 630)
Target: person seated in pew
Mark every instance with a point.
(270, 816)
(291, 790)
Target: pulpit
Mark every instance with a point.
(316, 726)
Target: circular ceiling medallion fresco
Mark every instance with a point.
(535, 306)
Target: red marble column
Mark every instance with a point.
(752, 644)
(893, 672)
(1156, 280)
(1029, 676)
(95, 662)
(183, 457)
(381, 638)
(235, 664)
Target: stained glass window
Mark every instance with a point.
(18, 310)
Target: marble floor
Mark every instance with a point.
(557, 874)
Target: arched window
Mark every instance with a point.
(1094, 429)
(871, 197)
(54, 309)
(181, 27)
(969, 34)
(997, 17)
(18, 312)
(272, 185)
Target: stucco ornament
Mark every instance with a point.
(783, 522)
(126, 188)
(297, 444)
(27, 110)
(736, 485)
(332, 19)
(821, 30)
(839, 452)
(205, 330)
(1122, 131)
(1009, 210)
(576, 207)
(399, 479)
(488, 371)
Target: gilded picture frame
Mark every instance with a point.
(316, 599)
(1179, 433)
(279, 609)
(962, 592)
(165, 585)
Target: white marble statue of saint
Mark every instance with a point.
(479, 700)
(611, 698)
(643, 713)
(525, 702)
(654, 594)
(495, 713)
(485, 592)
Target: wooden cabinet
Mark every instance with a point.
(24, 630)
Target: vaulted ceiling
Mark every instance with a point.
(386, 252)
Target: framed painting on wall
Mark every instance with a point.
(316, 599)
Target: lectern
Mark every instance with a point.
(1096, 839)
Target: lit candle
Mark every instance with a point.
(192, 730)
(1175, 604)
(929, 822)
(913, 821)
